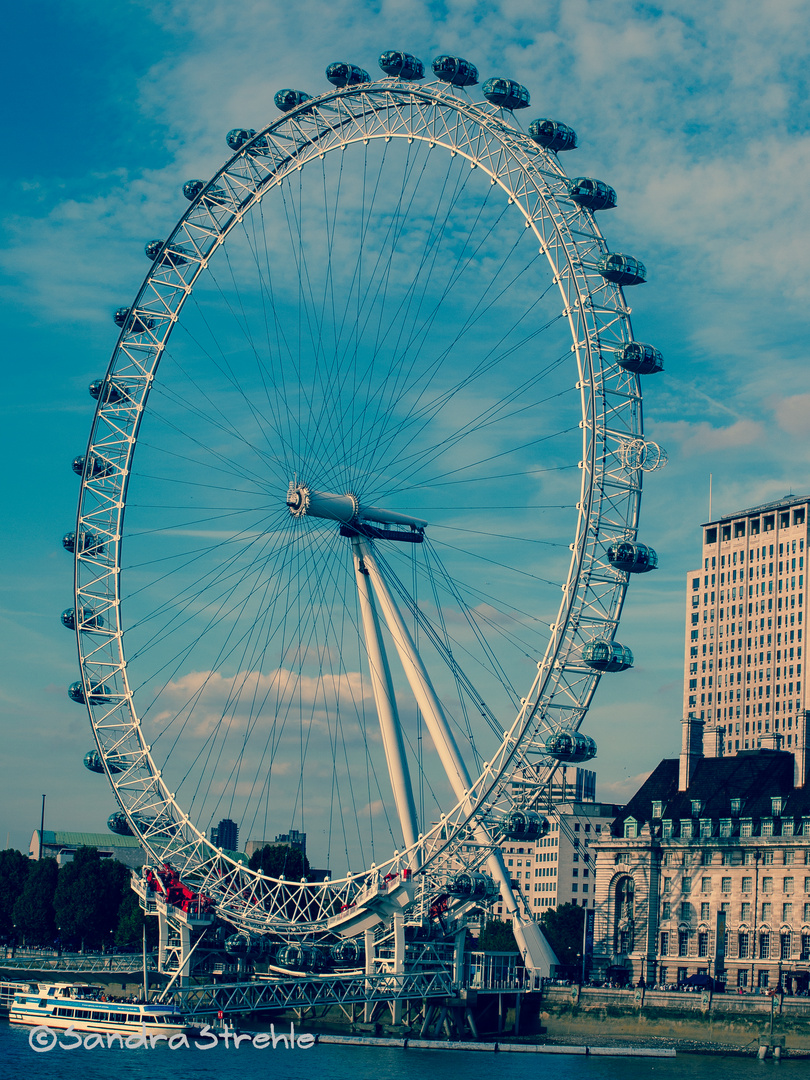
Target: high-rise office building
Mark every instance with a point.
(226, 835)
(744, 673)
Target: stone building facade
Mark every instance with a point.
(707, 871)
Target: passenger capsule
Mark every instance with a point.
(347, 952)
(640, 358)
(553, 135)
(472, 886)
(633, 558)
(137, 324)
(287, 100)
(302, 957)
(506, 94)
(237, 137)
(96, 468)
(118, 823)
(340, 74)
(89, 543)
(241, 944)
(105, 391)
(99, 693)
(524, 825)
(88, 620)
(571, 746)
(592, 194)
(622, 269)
(607, 656)
(93, 762)
(454, 70)
(172, 256)
(402, 65)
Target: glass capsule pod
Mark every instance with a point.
(571, 746)
(88, 620)
(213, 196)
(237, 137)
(239, 945)
(607, 656)
(286, 100)
(524, 825)
(98, 693)
(553, 135)
(96, 467)
(301, 957)
(137, 324)
(89, 543)
(173, 256)
(402, 65)
(640, 358)
(455, 70)
(633, 558)
(506, 94)
(592, 194)
(105, 391)
(341, 74)
(93, 762)
(622, 269)
(347, 952)
(118, 823)
(472, 886)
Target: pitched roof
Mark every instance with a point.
(87, 839)
(754, 777)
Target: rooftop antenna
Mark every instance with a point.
(710, 496)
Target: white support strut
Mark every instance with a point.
(386, 705)
(537, 953)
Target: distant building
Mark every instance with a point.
(62, 846)
(744, 674)
(226, 835)
(293, 838)
(707, 872)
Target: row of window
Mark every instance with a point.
(747, 885)
(726, 827)
(685, 911)
(769, 946)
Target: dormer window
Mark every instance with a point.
(630, 829)
(766, 827)
(686, 828)
(746, 827)
(666, 829)
(657, 809)
(736, 806)
(705, 826)
(697, 806)
(725, 826)
(787, 827)
(776, 806)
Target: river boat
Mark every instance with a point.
(85, 1007)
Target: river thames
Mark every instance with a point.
(340, 1062)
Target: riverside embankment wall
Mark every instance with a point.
(733, 1019)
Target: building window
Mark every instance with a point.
(728, 858)
(805, 953)
(746, 827)
(787, 912)
(704, 912)
(776, 806)
(736, 806)
(630, 829)
(763, 979)
(706, 828)
(666, 910)
(767, 827)
(666, 830)
(703, 943)
(665, 943)
(696, 803)
(725, 828)
(686, 828)
(686, 885)
(764, 946)
(787, 886)
(742, 978)
(766, 912)
(668, 884)
(745, 911)
(787, 858)
(787, 828)
(683, 943)
(657, 809)
(742, 945)
(705, 884)
(725, 884)
(686, 911)
(767, 884)
(767, 858)
(747, 884)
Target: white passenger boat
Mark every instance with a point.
(87, 1008)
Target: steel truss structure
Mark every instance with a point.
(536, 188)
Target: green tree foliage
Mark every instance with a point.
(14, 868)
(276, 860)
(563, 929)
(88, 897)
(131, 921)
(33, 911)
(497, 937)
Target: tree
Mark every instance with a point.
(497, 937)
(88, 897)
(563, 929)
(33, 911)
(277, 860)
(14, 869)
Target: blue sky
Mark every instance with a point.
(697, 114)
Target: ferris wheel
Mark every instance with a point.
(360, 501)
